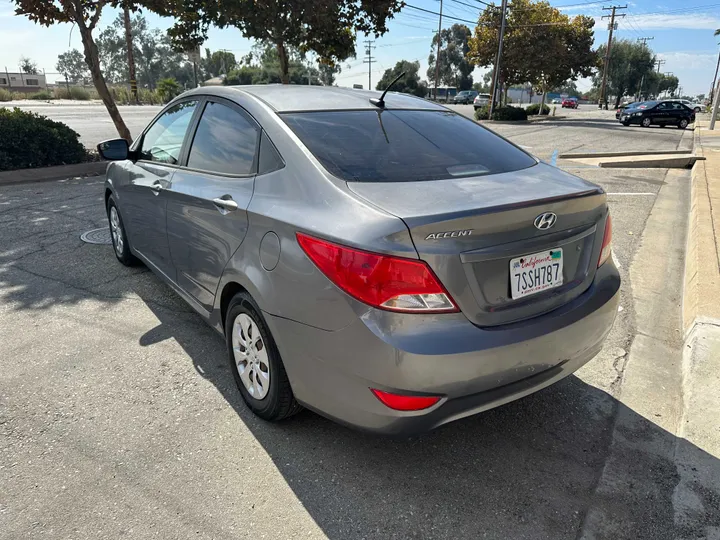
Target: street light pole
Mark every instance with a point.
(437, 55)
(716, 102)
(498, 59)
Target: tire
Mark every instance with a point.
(246, 330)
(696, 109)
(645, 122)
(626, 124)
(683, 123)
(120, 243)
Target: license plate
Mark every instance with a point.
(534, 273)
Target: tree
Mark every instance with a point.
(569, 88)
(455, 68)
(326, 27)
(410, 83)
(562, 45)
(85, 14)
(328, 72)
(72, 65)
(219, 62)
(154, 56)
(630, 64)
(28, 66)
(263, 67)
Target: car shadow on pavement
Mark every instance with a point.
(525, 470)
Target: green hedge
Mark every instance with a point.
(535, 109)
(41, 95)
(30, 140)
(507, 114)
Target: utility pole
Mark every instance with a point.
(712, 88)
(498, 58)
(668, 74)
(659, 63)
(130, 55)
(716, 103)
(611, 27)
(437, 55)
(369, 59)
(642, 79)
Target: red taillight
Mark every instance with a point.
(382, 281)
(405, 403)
(607, 243)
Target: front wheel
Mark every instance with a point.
(255, 362)
(646, 122)
(683, 123)
(120, 243)
(626, 124)
(696, 109)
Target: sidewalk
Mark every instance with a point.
(701, 354)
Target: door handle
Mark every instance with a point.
(226, 204)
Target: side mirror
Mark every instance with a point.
(114, 149)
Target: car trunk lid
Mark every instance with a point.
(469, 230)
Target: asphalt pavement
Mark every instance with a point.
(119, 415)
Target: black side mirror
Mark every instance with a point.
(114, 149)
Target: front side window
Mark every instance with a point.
(225, 142)
(404, 145)
(163, 141)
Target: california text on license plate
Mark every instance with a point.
(537, 272)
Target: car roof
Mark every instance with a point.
(301, 98)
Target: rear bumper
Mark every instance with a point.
(474, 369)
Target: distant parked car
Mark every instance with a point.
(696, 107)
(466, 97)
(570, 103)
(661, 113)
(481, 100)
(556, 101)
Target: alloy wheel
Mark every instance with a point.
(116, 231)
(646, 122)
(251, 358)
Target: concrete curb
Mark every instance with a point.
(620, 154)
(47, 174)
(701, 288)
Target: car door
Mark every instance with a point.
(141, 199)
(662, 113)
(208, 199)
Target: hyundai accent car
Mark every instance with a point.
(380, 260)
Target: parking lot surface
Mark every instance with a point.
(119, 415)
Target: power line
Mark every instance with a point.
(436, 13)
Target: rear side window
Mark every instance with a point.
(404, 146)
(225, 142)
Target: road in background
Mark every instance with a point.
(119, 415)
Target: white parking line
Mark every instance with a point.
(632, 193)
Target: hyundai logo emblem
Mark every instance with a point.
(545, 221)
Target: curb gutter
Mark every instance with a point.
(47, 174)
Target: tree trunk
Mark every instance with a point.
(93, 62)
(282, 54)
(130, 53)
(618, 98)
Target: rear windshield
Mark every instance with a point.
(404, 146)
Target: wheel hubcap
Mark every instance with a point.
(251, 359)
(116, 231)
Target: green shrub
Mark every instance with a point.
(5, 95)
(41, 95)
(150, 97)
(512, 114)
(168, 89)
(535, 109)
(75, 92)
(30, 140)
(482, 113)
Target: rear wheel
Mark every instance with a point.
(696, 109)
(683, 123)
(255, 361)
(646, 122)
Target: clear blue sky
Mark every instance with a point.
(682, 32)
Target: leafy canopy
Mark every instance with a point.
(72, 65)
(541, 46)
(326, 27)
(455, 67)
(630, 62)
(410, 83)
